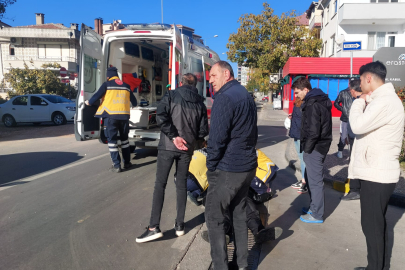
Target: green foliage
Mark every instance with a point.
(36, 81)
(3, 5)
(266, 41)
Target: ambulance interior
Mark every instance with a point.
(144, 65)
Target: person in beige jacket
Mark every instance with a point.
(377, 119)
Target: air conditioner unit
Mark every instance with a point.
(15, 41)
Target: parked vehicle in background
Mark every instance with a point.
(265, 99)
(37, 108)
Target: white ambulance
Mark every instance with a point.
(156, 54)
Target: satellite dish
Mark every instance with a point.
(340, 39)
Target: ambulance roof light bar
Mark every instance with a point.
(147, 26)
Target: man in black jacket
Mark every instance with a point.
(231, 163)
(316, 137)
(182, 118)
(343, 103)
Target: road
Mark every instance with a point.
(60, 208)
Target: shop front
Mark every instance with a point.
(331, 75)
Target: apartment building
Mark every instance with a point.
(243, 75)
(376, 23)
(40, 43)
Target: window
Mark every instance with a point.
(147, 54)
(325, 48)
(380, 40)
(41, 51)
(391, 41)
(336, 6)
(376, 40)
(332, 45)
(56, 99)
(21, 101)
(37, 101)
(12, 51)
(371, 37)
(131, 49)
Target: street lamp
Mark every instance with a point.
(210, 38)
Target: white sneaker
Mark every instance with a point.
(339, 154)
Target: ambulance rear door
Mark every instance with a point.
(177, 62)
(86, 125)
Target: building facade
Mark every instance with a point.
(376, 23)
(40, 44)
(243, 75)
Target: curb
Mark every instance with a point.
(395, 200)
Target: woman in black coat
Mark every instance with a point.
(295, 133)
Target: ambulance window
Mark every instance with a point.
(197, 70)
(91, 74)
(131, 49)
(179, 68)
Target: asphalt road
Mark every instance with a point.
(62, 209)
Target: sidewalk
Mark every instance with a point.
(336, 169)
(334, 245)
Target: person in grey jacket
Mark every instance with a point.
(343, 103)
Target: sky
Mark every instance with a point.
(208, 17)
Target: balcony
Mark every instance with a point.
(372, 13)
(315, 22)
(17, 61)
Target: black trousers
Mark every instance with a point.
(165, 161)
(374, 199)
(354, 183)
(113, 127)
(227, 191)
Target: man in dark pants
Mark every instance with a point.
(231, 163)
(377, 119)
(354, 192)
(343, 103)
(316, 137)
(182, 118)
(114, 109)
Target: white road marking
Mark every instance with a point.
(40, 175)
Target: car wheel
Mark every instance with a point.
(9, 121)
(58, 119)
(36, 124)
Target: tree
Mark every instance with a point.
(3, 5)
(266, 41)
(36, 81)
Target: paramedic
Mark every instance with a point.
(114, 109)
(231, 163)
(182, 118)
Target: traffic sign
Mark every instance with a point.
(63, 72)
(352, 46)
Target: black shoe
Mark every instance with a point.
(115, 169)
(297, 185)
(268, 234)
(205, 237)
(352, 195)
(179, 229)
(149, 235)
(127, 165)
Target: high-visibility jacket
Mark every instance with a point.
(116, 97)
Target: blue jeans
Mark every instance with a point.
(300, 156)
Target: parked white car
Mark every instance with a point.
(37, 108)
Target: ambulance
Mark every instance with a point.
(151, 58)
